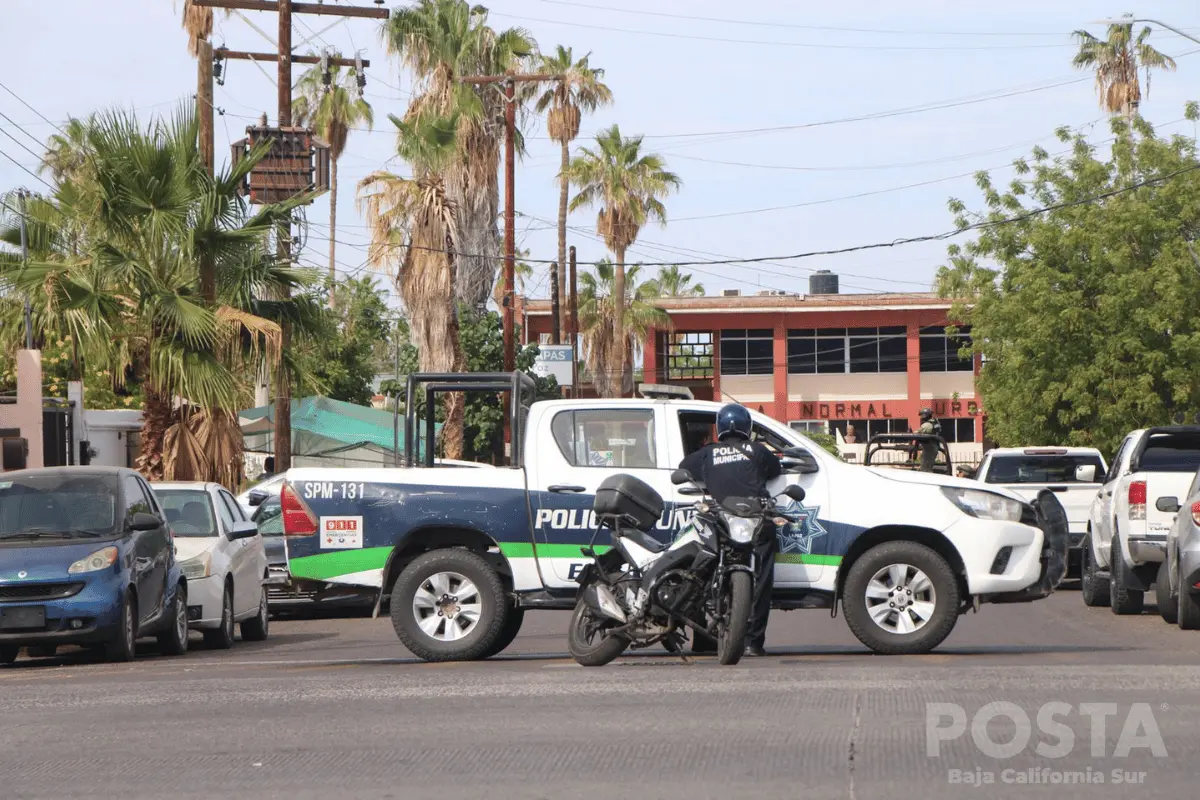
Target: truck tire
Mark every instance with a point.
(586, 652)
(1168, 609)
(513, 620)
(1188, 615)
(449, 605)
(901, 598)
(1122, 600)
(1092, 586)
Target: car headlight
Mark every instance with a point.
(96, 561)
(741, 529)
(197, 567)
(984, 505)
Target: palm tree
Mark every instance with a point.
(332, 110)
(64, 151)
(1116, 62)
(441, 41)
(414, 237)
(579, 89)
(627, 186)
(597, 309)
(671, 282)
(150, 215)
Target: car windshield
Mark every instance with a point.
(269, 517)
(1041, 468)
(189, 511)
(57, 504)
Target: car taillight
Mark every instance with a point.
(1196, 513)
(1137, 500)
(298, 519)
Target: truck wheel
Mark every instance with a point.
(1122, 599)
(1093, 587)
(1168, 609)
(512, 626)
(731, 639)
(448, 605)
(1189, 610)
(586, 640)
(901, 598)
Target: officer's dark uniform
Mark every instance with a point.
(739, 468)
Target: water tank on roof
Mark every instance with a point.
(823, 282)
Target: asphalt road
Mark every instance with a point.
(332, 708)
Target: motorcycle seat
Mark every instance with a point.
(645, 540)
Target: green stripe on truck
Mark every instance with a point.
(341, 562)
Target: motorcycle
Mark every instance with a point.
(642, 592)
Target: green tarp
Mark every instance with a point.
(321, 425)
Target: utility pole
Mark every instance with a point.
(204, 104)
(555, 326)
(573, 310)
(285, 9)
(25, 263)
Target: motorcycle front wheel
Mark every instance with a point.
(731, 639)
(586, 639)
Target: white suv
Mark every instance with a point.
(223, 558)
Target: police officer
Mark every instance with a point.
(734, 466)
(929, 449)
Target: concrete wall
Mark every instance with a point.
(26, 413)
(942, 385)
(748, 388)
(860, 386)
(109, 431)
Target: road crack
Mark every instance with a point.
(852, 744)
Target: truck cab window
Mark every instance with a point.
(698, 428)
(606, 438)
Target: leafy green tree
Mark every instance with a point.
(597, 310)
(1085, 315)
(673, 282)
(341, 359)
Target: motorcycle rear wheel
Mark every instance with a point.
(731, 642)
(587, 651)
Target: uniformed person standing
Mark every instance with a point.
(734, 466)
(929, 449)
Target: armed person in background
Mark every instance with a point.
(929, 449)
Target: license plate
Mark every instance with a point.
(22, 618)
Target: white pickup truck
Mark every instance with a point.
(463, 553)
(1127, 532)
(1074, 475)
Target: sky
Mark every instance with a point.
(757, 106)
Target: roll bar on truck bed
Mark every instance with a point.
(518, 387)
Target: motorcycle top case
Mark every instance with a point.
(631, 499)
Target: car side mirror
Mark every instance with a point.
(798, 461)
(142, 521)
(242, 530)
(681, 476)
(795, 492)
(1085, 473)
(1169, 505)
(256, 497)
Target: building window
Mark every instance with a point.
(747, 352)
(686, 356)
(842, 350)
(809, 426)
(940, 353)
(958, 430)
(864, 429)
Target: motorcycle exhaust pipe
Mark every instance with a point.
(600, 598)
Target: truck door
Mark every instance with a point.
(807, 544)
(581, 448)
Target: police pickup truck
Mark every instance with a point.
(462, 554)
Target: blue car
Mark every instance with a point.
(86, 558)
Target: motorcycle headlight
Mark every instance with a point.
(96, 561)
(984, 505)
(198, 567)
(741, 529)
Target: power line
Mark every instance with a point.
(727, 21)
(25, 169)
(31, 108)
(776, 43)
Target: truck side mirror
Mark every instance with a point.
(1169, 505)
(798, 461)
(680, 477)
(1085, 473)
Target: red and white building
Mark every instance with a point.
(826, 361)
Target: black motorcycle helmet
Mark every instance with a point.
(733, 420)
(926, 414)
